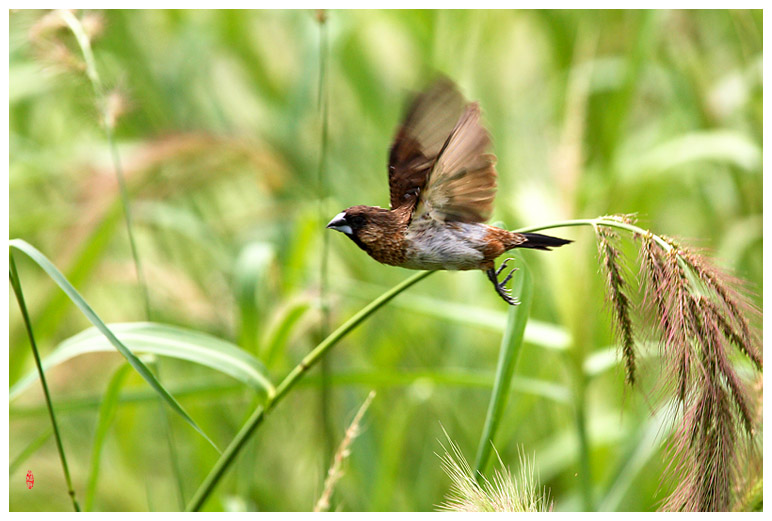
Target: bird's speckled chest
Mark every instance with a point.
(434, 245)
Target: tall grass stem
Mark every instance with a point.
(324, 297)
(99, 91)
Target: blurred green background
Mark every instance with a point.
(655, 113)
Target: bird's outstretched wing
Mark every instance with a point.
(429, 121)
(462, 183)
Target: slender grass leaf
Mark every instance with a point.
(52, 311)
(161, 340)
(511, 342)
(47, 266)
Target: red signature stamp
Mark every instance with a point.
(30, 479)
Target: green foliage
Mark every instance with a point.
(68, 350)
(591, 113)
(162, 340)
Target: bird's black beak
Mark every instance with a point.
(340, 224)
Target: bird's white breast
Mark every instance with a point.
(434, 245)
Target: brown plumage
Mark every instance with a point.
(442, 182)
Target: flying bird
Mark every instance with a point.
(442, 182)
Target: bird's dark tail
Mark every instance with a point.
(538, 241)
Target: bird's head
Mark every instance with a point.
(352, 221)
(364, 225)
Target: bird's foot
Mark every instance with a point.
(501, 288)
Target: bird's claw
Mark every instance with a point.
(503, 265)
(501, 288)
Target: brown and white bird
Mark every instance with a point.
(442, 182)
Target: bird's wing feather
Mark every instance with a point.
(462, 183)
(429, 120)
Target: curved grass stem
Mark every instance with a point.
(257, 417)
(600, 221)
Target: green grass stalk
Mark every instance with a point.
(324, 297)
(102, 101)
(511, 346)
(257, 417)
(16, 284)
(599, 221)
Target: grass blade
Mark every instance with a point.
(511, 343)
(161, 340)
(47, 266)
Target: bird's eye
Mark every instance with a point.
(356, 221)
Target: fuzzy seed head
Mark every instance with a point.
(699, 316)
(505, 493)
(612, 262)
